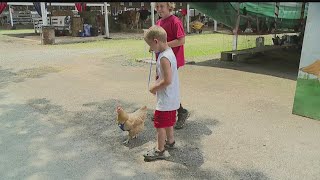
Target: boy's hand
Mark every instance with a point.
(153, 90)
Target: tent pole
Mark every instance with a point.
(276, 13)
(44, 14)
(235, 31)
(215, 27)
(188, 18)
(106, 22)
(152, 13)
(10, 13)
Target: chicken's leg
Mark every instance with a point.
(126, 141)
(131, 135)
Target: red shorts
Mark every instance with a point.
(164, 119)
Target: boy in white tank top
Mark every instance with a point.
(166, 89)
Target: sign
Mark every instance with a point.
(307, 97)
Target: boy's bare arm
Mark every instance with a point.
(167, 76)
(174, 43)
(177, 42)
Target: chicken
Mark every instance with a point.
(132, 122)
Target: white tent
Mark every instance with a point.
(44, 11)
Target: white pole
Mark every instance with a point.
(235, 31)
(10, 13)
(215, 26)
(188, 18)
(106, 22)
(44, 14)
(152, 13)
(102, 9)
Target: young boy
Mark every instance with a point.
(176, 39)
(166, 88)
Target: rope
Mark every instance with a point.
(150, 71)
(145, 50)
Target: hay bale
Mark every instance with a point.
(76, 26)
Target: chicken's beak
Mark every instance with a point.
(118, 109)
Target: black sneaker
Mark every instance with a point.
(183, 115)
(169, 146)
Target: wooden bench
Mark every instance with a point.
(235, 55)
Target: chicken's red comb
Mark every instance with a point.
(119, 107)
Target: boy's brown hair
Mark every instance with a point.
(171, 5)
(155, 32)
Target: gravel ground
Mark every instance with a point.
(57, 118)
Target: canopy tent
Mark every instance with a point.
(226, 12)
(278, 16)
(3, 6)
(81, 6)
(43, 8)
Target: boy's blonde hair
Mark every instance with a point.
(171, 5)
(155, 32)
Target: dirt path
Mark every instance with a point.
(57, 120)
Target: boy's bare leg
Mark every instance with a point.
(161, 138)
(158, 152)
(170, 136)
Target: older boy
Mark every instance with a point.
(176, 39)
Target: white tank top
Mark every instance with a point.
(168, 99)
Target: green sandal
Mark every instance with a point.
(154, 154)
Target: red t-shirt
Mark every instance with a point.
(174, 28)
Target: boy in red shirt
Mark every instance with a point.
(176, 39)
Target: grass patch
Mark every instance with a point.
(206, 45)
(16, 31)
(198, 47)
(307, 98)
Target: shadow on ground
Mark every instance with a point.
(278, 63)
(188, 151)
(191, 173)
(41, 140)
(8, 76)
(22, 35)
